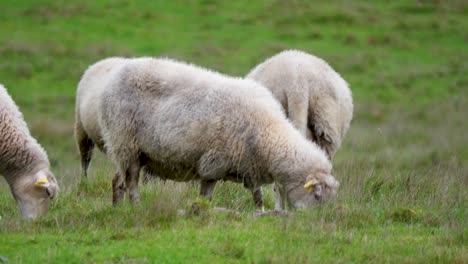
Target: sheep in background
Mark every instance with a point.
(184, 123)
(23, 162)
(314, 97)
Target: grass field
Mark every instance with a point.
(403, 166)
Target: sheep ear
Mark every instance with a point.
(41, 180)
(309, 186)
(331, 182)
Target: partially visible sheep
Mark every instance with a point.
(87, 130)
(184, 123)
(23, 162)
(314, 97)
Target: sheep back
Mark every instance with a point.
(19, 151)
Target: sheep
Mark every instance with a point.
(185, 123)
(23, 162)
(87, 130)
(314, 97)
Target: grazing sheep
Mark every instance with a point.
(87, 130)
(23, 162)
(314, 97)
(184, 123)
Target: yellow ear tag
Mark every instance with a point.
(41, 182)
(310, 185)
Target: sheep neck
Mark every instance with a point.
(292, 158)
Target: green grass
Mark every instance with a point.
(403, 166)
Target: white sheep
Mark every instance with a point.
(184, 123)
(23, 162)
(314, 97)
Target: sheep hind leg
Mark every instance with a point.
(131, 181)
(85, 147)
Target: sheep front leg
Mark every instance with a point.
(258, 198)
(131, 181)
(206, 188)
(279, 199)
(118, 189)
(211, 167)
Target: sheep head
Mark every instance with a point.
(316, 187)
(34, 192)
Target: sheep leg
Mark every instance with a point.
(118, 189)
(206, 188)
(146, 178)
(279, 199)
(298, 112)
(85, 147)
(325, 129)
(131, 181)
(211, 167)
(257, 195)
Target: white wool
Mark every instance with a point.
(314, 96)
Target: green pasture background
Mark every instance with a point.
(403, 166)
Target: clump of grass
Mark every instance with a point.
(230, 250)
(200, 207)
(405, 215)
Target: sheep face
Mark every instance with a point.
(34, 193)
(316, 188)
